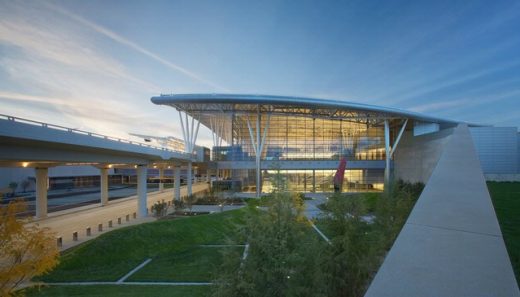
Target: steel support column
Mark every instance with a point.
(188, 179)
(314, 181)
(258, 156)
(387, 154)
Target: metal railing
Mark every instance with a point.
(81, 132)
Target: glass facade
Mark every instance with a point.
(303, 138)
(355, 180)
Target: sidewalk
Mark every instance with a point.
(65, 223)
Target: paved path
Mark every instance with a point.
(451, 244)
(65, 223)
(311, 206)
(131, 284)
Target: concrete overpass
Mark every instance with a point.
(27, 143)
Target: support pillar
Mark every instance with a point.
(188, 179)
(258, 157)
(314, 181)
(141, 191)
(177, 182)
(387, 155)
(103, 185)
(42, 175)
(161, 176)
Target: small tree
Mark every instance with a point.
(190, 199)
(25, 184)
(159, 208)
(26, 251)
(178, 204)
(13, 186)
(284, 255)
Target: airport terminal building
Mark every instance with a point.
(256, 136)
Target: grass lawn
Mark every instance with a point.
(112, 255)
(193, 264)
(127, 291)
(506, 200)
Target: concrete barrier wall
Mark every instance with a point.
(416, 156)
(503, 177)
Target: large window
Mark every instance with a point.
(355, 180)
(305, 138)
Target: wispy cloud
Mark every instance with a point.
(124, 41)
(430, 88)
(54, 71)
(472, 106)
(440, 105)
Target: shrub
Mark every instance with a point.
(159, 208)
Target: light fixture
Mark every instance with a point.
(25, 164)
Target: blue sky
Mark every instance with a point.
(95, 64)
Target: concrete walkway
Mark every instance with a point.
(65, 223)
(451, 244)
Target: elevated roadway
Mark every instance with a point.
(27, 143)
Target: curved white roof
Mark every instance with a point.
(177, 100)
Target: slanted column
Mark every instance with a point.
(188, 179)
(161, 176)
(103, 185)
(141, 191)
(177, 182)
(387, 154)
(258, 145)
(42, 175)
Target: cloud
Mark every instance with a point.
(124, 41)
(440, 105)
(55, 71)
(463, 79)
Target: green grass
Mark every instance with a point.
(112, 255)
(126, 291)
(506, 200)
(194, 264)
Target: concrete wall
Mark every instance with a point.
(416, 156)
(497, 149)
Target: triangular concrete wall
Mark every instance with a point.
(451, 244)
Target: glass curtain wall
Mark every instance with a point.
(355, 180)
(304, 138)
(301, 138)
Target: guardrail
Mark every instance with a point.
(77, 131)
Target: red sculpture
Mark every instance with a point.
(340, 174)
